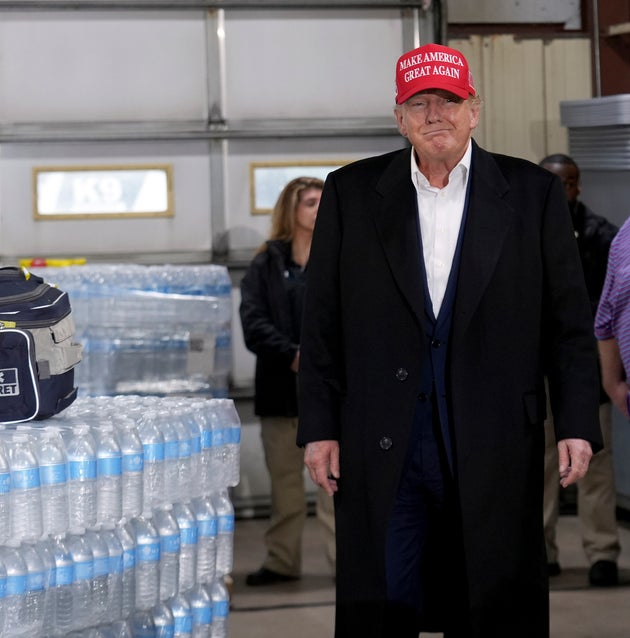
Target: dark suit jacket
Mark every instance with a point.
(521, 311)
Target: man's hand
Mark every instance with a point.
(574, 455)
(322, 460)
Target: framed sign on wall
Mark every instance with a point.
(267, 179)
(68, 192)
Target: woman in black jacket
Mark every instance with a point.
(271, 314)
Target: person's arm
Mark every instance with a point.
(613, 374)
(260, 332)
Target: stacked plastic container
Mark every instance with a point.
(154, 330)
(95, 540)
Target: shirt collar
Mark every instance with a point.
(463, 167)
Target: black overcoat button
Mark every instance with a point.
(401, 374)
(385, 443)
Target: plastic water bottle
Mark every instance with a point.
(182, 615)
(35, 593)
(184, 452)
(82, 494)
(26, 504)
(225, 531)
(207, 529)
(108, 474)
(82, 575)
(220, 608)
(63, 593)
(163, 621)
(114, 571)
(201, 607)
(147, 563)
(44, 548)
(132, 467)
(171, 457)
(195, 449)
(168, 530)
(232, 425)
(153, 451)
(219, 433)
(15, 599)
(100, 576)
(125, 534)
(3, 595)
(53, 464)
(5, 497)
(188, 545)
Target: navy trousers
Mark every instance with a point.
(426, 584)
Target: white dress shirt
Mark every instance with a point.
(441, 211)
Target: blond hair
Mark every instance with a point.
(283, 215)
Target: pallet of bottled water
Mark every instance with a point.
(116, 519)
(155, 330)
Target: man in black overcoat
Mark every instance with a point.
(444, 285)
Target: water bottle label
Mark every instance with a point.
(5, 482)
(35, 581)
(202, 615)
(220, 609)
(16, 585)
(170, 544)
(153, 451)
(52, 474)
(148, 552)
(171, 449)
(116, 564)
(218, 437)
(129, 559)
(133, 462)
(188, 535)
(226, 524)
(3, 587)
(52, 577)
(101, 566)
(206, 439)
(83, 570)
(223, 341)
(183, 624)
(109, 466)
(236, 435)
(195, 445)
(82, 470)
(64, 575)
(208, 526)
(165, 631)
(25, 479)
(185, 449)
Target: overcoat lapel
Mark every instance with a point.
(489, 217)
(396, 224)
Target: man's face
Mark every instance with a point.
(570, 179)
(438, 124)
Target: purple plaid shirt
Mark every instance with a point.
(612, 320)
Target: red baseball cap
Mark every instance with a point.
(433, 66)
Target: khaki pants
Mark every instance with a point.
(285, 462)
(596, 497)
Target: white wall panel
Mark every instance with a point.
(249, 231)
(188, 230)
(84, 66)
(282, 64)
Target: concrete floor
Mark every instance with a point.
(305, 609)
